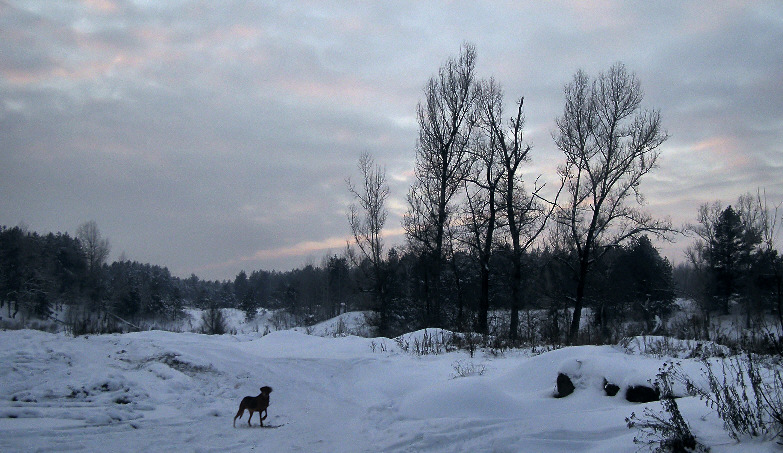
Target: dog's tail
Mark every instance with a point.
(239, 415)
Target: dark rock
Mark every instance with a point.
(642, 394)
(610, 389)
(564, 386)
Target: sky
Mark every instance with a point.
(213, 137)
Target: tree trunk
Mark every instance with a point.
(516, 276)
(779, 280)
(580, 293)
(434, 295)
(460, 323)
(516, 287)
(483, 326)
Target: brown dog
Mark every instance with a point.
(254, 404)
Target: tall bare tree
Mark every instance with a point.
(610, 143)
(481, 212)
(367, 217)
(442, 163)
(698, 255)
(525, 214)
(96, 250)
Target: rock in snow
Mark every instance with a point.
(563, 386)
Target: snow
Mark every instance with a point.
(350, 323)
(162, 391)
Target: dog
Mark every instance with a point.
(254, 404)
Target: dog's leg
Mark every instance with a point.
(251, 417)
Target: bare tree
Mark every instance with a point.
(367, 217)
(366, 226)
(96, 250)
(698, 255)
(442, 163)
(95, 247)
(769, 228)
(610, 143)
(525, 214)
(480, 216)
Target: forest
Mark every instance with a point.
(489, 249)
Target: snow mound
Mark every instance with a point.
(619, 369)
(660, 346)
(351, 323)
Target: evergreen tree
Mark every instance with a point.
(644, 280)
(729, 257)
(244, 295)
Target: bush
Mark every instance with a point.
(81, 321)
(746, 395)
(668, 431)
(660, 347)
(282, 320)
(430, 343)
(464, 368)
(213, 322)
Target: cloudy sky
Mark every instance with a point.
(215, 136)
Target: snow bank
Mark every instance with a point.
(660, 346)
(351, 323)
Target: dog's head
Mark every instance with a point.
(266, 390)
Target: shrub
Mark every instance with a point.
(213, 322)
(746, 395)
(667, 431)
(81, 321)
(430, 343)
(464, 368)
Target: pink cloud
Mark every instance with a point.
(104, 6)
(726, 149)
(299, 250)
(344, 90)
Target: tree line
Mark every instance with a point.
(67, 278)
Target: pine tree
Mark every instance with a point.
(729, 256)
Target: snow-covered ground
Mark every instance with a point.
(164, 391)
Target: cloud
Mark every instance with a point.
(199, 132)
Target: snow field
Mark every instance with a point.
(158, 391)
